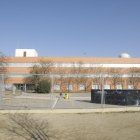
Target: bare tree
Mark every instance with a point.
(116, 77)
(68, 82)
(60, 79)
(97, 72)
(27, 127)
(35, 76)
(45, 66)
(134, 78)
(39, 72)
(3, 70)
(85, 82)
(77, 71)
(3, 63)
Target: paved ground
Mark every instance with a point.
(51, 101)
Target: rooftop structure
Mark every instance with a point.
(124, 55)
(26, 53)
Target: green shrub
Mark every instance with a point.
(44, 86)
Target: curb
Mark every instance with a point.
(75, 111)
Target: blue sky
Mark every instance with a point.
(89, 28)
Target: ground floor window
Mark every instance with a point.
(57, 87)
(130, 86)
(95, 87)
(119, 86)
(24, 87)
(81, 87)
(69, 87)
(106, 86)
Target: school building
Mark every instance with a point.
(73, 73)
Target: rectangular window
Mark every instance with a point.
(81, 87)
(69, 87)
(119, 87)
(130, 87)
(57, 87)
(106, 86)
(95, 86)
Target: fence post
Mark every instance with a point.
(2, 86)
(102, 95)
(52, 96)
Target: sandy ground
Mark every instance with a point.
(95, 126)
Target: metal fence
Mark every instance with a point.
(16, 97)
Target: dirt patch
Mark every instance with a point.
(102, 126)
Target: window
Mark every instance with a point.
(130, 86)
(119, 86)
(95, 86)
(106, 86)
(69, 87)
(81, 87)
(56, 87)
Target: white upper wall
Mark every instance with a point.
(71, 65)
(26, 53)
